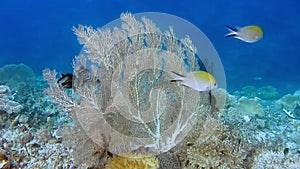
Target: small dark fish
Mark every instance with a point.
(189, 144)
(286, 151)
(36, 145)
(66, 81)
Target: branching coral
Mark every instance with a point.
(26, 148)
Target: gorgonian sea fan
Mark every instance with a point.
(123, 98)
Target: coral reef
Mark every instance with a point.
(264, 92)
(133, 161)
(27, 89)
(275, 160)
(117, 78)
(23, 147)
(220, 148)
(6, 101)
(274, 130)
(28, 135)
(253, 142)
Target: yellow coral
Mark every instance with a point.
(132, 161)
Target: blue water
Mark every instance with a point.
(39, 34)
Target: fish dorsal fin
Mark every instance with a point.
(178, 77)
(177, 74)
(231, 28)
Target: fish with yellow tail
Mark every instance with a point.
(248, 34)
(197, 80)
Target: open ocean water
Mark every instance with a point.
(39, 34)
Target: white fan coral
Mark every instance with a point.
(121, 96)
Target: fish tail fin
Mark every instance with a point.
(177, 77)
(232, 31)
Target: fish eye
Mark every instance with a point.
(215, 84)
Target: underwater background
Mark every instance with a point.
(257, 126)
(40, 35)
